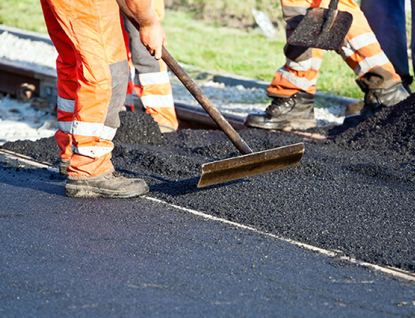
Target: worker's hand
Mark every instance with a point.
(151, 33)
(153, 37)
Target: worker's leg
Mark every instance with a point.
(151, 82)
(129, 98)
(66, 84)
(299, 74)
(94, 30)
(294, 85)
(376, 75)
(362, 51)
(387, 20)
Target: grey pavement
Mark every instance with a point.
(65, 257)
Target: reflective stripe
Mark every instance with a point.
(93, 130)
(153, 78)
(310, 64)
(132, 75)
(66, 105)
(346, 51)
(87, 129)
(94, 152)
(300, 82)
(108, 133)
(370, 62)
(65, 126)
(157, 101)
(362, 40)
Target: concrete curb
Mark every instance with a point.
(247, 82)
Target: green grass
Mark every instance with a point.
(24, 14)
(221, 49)
(211, 47)
(244, 53)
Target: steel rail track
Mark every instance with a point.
(14, 75)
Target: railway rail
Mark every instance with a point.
(17, 79)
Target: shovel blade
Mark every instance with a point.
(310, 32)
(251, 164)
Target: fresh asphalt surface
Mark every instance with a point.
(65, 257)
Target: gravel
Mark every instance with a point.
(19, 121)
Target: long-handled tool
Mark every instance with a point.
(233, 168)
(322, 28)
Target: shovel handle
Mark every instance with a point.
(333, 5)
(194, 90)
(205, 103)
(330, 15)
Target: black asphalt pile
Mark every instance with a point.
(138, 129)
(390, 131)
(353, 193)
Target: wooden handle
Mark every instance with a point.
(330, 15)
(333, 5)
(194, 90)
(205, 103)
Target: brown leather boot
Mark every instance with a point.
(375, 99)
(63, 166)
(107, 185)
(296, 112)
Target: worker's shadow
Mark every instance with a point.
(52, 182)
(187, 186)
(34, 178)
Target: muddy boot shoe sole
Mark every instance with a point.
(109, 185)
(263, 121)
(294, 112)
(63, 167)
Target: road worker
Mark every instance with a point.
(294, 85)
(388, 21)
(92, 71)
(149, 78)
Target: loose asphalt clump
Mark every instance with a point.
(390, 130)
(138, 128)
(353, 193)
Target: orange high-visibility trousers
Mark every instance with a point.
(148, 77)
(360, 50)
(92, 71)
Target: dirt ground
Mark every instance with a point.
(353, 193)
(226, 14)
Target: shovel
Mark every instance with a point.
(249, 163)
(322, 28)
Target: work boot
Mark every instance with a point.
(107, 185)
(63, 166)
(375, 100)
(407, 80)
(296, 112)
